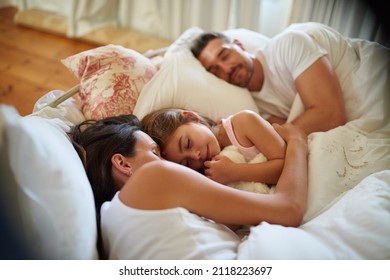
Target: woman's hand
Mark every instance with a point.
(290, 132)
(293, 182)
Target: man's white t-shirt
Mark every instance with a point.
(290, 53)
(283, 59)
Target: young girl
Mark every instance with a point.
(156, 209)
(192, 140)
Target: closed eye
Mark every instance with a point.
(224, 55)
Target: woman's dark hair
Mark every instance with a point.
(96, 141)
(200, 42)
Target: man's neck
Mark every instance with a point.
(257, 79)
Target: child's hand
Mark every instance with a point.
(220, 169)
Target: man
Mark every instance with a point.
(290, 63)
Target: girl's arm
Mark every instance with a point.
(251, 130)
(163, 185)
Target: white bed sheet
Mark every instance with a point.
(356, 225)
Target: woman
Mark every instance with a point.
(156, 209)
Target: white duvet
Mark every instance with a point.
(348, 215)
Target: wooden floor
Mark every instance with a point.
(30, 63)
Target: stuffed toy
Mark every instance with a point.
(234, 155)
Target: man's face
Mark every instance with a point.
(227, 61)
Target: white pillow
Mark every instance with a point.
(46, 189)
(250, 39)
(182, 82)
(66, 111)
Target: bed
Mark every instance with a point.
(46, 199)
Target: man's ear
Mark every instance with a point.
(121, 164)
(238, 43)
(190, 115)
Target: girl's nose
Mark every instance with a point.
(194, 160)
(195, 154)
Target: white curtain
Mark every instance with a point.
(350, 17)
(87, 15)
(55, 6)
(169, 18)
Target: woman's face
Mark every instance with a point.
(146, 150)
(191, 145)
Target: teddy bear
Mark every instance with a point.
(234, 155)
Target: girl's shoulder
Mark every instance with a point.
(245, 116)
(242, 114)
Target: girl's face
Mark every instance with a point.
(191, 145)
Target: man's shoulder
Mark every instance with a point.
(285, 43)
(290, 35)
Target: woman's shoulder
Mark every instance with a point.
(151, 178)
(155, 182)
(154, 170)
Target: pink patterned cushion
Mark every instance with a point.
(111, 79)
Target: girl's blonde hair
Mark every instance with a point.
(161, 124)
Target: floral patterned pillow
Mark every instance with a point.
(111, 79)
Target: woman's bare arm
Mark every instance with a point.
(163, 185)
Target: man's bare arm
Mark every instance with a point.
(322, 96)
